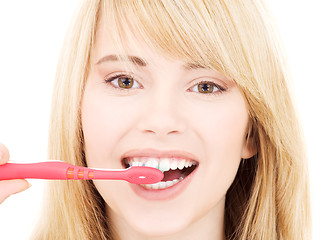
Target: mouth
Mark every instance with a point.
(174, 169)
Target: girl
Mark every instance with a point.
(194, 88)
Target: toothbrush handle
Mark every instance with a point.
(55, 170)
(58, 170)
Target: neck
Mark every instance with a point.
(210, 226)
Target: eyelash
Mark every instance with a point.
(109, 79)
(219, 89)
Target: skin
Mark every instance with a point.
(164, 112)
(10, 187)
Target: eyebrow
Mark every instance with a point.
(191, 66)
(142, 63)
(135, 60)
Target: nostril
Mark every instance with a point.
(149, 131)
(161, 132)
(173, 132)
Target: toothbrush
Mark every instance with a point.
(58, 170)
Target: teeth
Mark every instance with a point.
(152, 163)
(162, 185)
(188, 164)
(174, 165)
(164, 164)
(181, 164)
(156, 186)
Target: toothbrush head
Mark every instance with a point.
(144, 175)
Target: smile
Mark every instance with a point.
(174, 169)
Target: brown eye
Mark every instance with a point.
(123, 82)
(207, 88)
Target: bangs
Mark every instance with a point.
(180, 30)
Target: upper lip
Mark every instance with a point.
(153, 153)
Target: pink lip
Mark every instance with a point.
(159, 154)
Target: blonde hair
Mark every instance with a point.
(269, 198)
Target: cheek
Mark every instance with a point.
(102, 130)
(103, 126)
(222, 129)
(227, 137)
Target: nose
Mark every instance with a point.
(163, 115)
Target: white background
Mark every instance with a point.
(31, 36)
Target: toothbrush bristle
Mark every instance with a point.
(145, 175)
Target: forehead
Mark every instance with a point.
(131, 48)
(110, 44)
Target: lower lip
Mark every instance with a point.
(163, 194)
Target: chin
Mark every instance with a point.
(158, 226)
(152, 219)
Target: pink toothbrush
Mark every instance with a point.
(58, 170)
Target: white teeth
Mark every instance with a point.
(148, 164)
(164, 164)
(181, 164)
(155, 186)
(189, 164)
(169, 183)
(152, 163)
(162, 185)
(186, 164)
(173, 165)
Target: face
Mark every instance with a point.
(187, 120)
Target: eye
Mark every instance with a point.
(122, 81)
(207, 88)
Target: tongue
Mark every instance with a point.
(171, 175)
